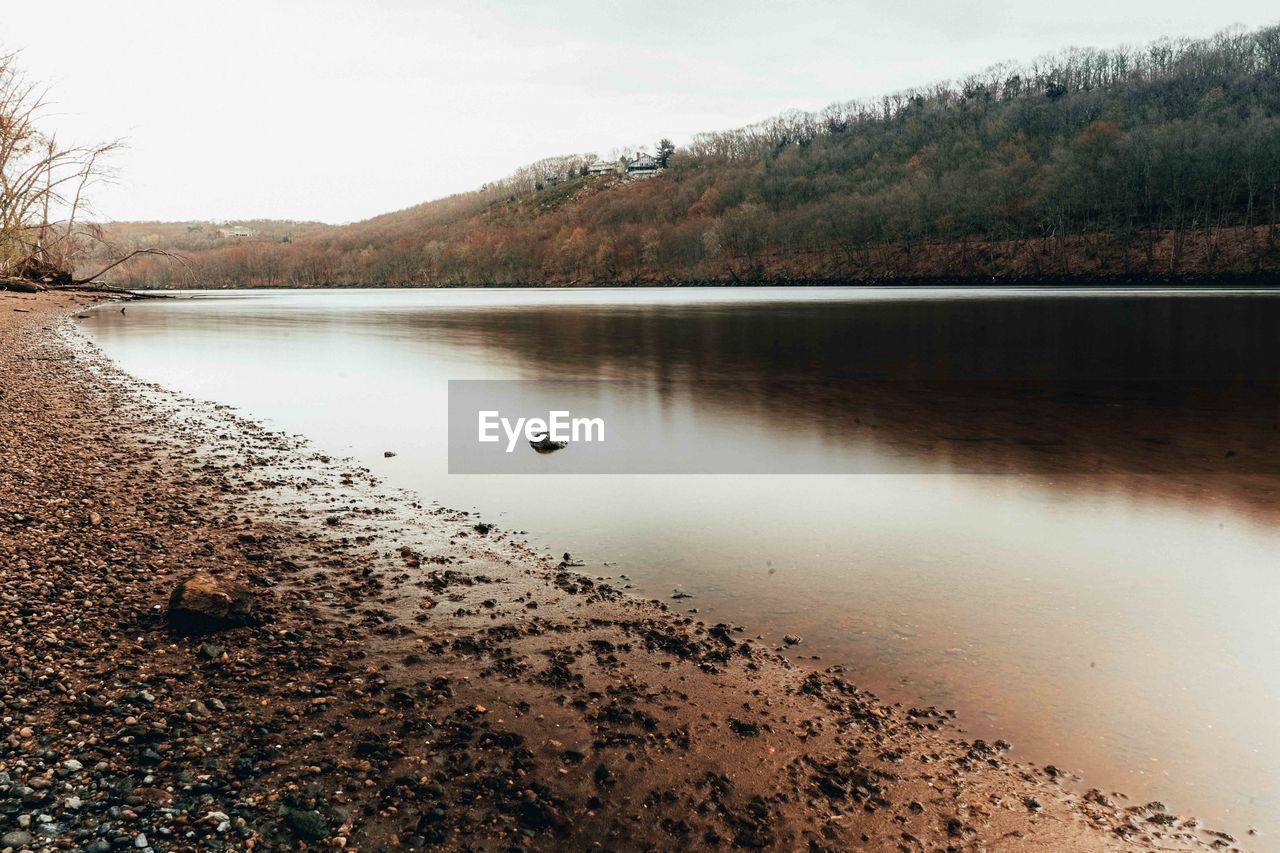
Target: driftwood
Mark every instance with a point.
(93, 287)
(98, 287)
(21, 285)
(28, 285)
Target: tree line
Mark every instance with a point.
(1164, 158)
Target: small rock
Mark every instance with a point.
(308, 825)
(209, 652)
(16, 839)
(602, 776)
(157, 796)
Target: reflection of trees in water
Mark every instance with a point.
(997, 337)
(1121, 388)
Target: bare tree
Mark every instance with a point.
(43, 185)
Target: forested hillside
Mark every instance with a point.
(198, 236)
(1163, 159)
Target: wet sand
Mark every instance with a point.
(413, 676)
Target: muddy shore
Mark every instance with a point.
(411, 676)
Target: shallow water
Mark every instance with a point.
(1069, 532)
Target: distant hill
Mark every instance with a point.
(1158, 160)
(197, 236)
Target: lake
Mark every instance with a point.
(1055, 511)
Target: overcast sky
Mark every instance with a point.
(319, 109)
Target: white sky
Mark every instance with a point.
(319, 109)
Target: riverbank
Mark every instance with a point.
(414, 676)
(1262, 279)
(1230, 256)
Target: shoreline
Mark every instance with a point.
(417, 677)
(1262, 280)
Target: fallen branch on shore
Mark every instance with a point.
(88, 283)
(21, 285)
(98, 287)
(118, 261)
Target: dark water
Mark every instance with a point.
(1067, 528)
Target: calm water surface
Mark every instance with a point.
(1072, 536)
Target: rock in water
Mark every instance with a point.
(201, 603)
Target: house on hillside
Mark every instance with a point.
(237, 231)
(603, 167)
(642, 166)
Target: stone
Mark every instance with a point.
(200, 603)
(157, 796)
(307, 825)
(15, 839)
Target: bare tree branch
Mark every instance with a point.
(43, 186)
(134, 253)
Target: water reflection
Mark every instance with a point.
(1107, 604)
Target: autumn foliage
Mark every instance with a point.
(1163, 159)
